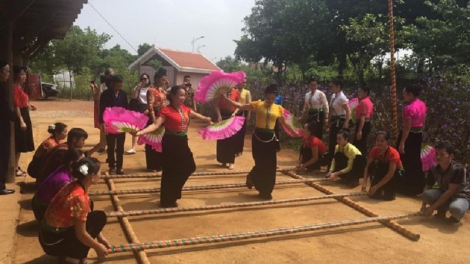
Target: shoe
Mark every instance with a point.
(130, 152)
(453, 221)
(19, 172)
(112, 171)
(265, 196)
(7, 191)
(249, 183)
(101, 150)
(168, 205)
(231, 166)
(120, 172)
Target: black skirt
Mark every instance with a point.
(341, 162)
(317, 118)
(263, 174)
(242, 133)
(229, 147)
(24, 141)
(412, 182)
(306, 155)
(152, 157)
(178, 164)
(378, 170)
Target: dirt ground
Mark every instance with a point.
(370, 243)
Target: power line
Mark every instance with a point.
(112, 27)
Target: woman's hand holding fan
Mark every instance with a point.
(119, 120)
(222, 130)
(218, 82)
(294, 123)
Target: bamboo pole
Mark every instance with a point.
(391, 224)
(227, 206)
(250, 235)
(197, 187)
(393, 70)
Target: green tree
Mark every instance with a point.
(229, 64)
(143, 48)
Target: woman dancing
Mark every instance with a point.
(227, 148)
(58, 133)
(384, 167)
(263, 174)
(348, 162)
(139, 96)
(312, 151)
(156, 98)
(410, 140)
(177, 158)
(70, 227)
(24, 141)
(316, 108)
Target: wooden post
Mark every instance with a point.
(11, 165)
(392, 70)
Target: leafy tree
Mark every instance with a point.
(143, 48)
(229, 64)
(155, 64)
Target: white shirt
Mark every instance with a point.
(337, 102)
(142, 96)
(317, 100)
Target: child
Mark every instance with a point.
(385, 168)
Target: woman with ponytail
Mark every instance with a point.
(69, 228)
(58, 132)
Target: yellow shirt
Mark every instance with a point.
(266, 117)
(244, 96)
(349, 151)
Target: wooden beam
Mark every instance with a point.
(9, 30)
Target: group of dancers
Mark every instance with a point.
(64, 171)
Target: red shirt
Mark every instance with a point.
(155, 97)
(365, 108)
(70, 203)
(21, 98)
(392, 156)
(312, 141)
(45, 146)
(174, 120)
(234, 95)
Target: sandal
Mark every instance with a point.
(19, 172)
(231, 166)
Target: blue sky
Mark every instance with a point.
(170, 23)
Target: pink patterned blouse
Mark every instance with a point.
(416, 111)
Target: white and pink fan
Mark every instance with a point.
(216, 83)
(292, 120)
(153, 139)
(224, 129)
(119, 120)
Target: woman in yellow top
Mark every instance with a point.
(263, 174)
(348, 162)
(245, 98)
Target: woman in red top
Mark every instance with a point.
(58, 133)
(70, 226)
(363, 119)
(24, 141)
(156, 99)
(178, 162)
(385, 168)
(313, 149)
(227, 148)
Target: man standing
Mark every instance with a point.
(447, 187)
(112, 97)
(97, 91)
(189, 101)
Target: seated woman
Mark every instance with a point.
(58, 133)
(384, 167)
(54, 183)
(312, 151)
(348, 162)
(69, 228)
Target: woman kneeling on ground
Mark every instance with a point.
(312, 151)
(384, 167)
(348, 162)
(55, 182)
(69, 228)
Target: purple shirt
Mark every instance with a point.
(53, 183)
(416, 111)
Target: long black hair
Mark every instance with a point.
(148, 78)
(56, 128)
(159, 74)
(85, 167)
(271, 89)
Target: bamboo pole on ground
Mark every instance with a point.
(391, 224)
(250, 235)
(227, 206)
(197, 187)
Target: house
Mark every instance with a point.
(177, 63)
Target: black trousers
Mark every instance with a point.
(66, 243)
(412, 182)
(306, 155)
(241, 134)
(357, 171)
(116, 142)
(263, 174)
(5, 133)
(227, 148)
(362, 144)
(178, 164)
(378, 170)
